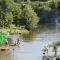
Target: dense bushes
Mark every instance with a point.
(8, 10)
(28, 13)
(30, 16)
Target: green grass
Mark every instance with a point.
(14, 30)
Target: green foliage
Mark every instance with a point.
(30, 16)
(55, 45)
(8, 10)
(14, 7)
(8, 18)
(26, 12)
(12, 26)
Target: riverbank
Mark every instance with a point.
(14, 30)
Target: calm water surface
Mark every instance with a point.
(33, 50)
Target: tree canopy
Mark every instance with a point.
(30, 16)
(28, 13)
(8, 10)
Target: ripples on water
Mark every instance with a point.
(33, 50)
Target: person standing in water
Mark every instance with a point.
(18, 42)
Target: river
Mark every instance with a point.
(33, 50)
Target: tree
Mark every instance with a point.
(55, 45)
(9, 19)
(8, 11)
(29, 16)
(15, 8)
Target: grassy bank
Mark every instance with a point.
(14, 30)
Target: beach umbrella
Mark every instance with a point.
(3, 36)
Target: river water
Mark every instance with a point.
(33, 50)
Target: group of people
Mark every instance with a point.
(16, 43)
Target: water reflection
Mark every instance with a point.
(29, 36)
(5, 55)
